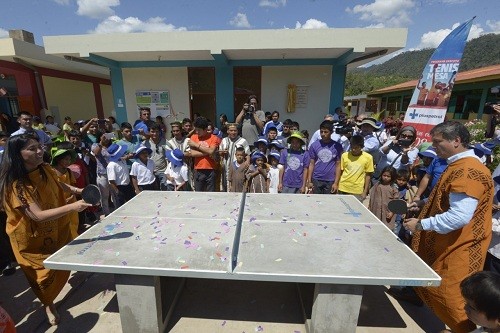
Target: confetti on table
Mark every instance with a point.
(117, 254)
(185, 267)
(346, 230)
(338, 238)
(369, 227)
(278, 260)
(294, 240)
(223, 323)
(253, 218)
(253, 236)
(261, 246)
(386, 249)
(259, 329)
(124, 263)
(240, 264)
(355, 229)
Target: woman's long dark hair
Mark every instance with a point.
(12, 168)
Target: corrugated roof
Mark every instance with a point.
(474, 75)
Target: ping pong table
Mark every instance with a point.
(158, 238)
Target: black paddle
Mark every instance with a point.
(398, 206)
(91, 195)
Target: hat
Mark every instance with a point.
(276, 143)
(429, 152)
(257, 155)
(480, 150)
(260, 139)
(408, 129)
(36, 118)
(270, 127)
(141, 149)
(175, 156)
(116, 151)
(275, 154)
(55, 153)
(369, 121)
(296, 135)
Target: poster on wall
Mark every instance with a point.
(157, 100)
(301, 97)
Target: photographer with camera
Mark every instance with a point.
(252, 120)
(400, 152)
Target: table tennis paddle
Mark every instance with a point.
(398, 206)
(91, 195)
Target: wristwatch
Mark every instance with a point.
(418, 226)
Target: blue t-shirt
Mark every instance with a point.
(326, 156)
(435, 169)
(294, 163)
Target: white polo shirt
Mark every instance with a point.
(144, 173)
(118, 171)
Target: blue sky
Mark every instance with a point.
(428, 21)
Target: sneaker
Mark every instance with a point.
(406, 294)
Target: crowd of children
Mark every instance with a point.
(357, 156)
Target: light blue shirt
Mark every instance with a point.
(43, 138)
(462, 207)
(317, 136)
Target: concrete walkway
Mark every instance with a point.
(88, 304)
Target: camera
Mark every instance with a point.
(101, 121)
(251, 109)
(343, 128)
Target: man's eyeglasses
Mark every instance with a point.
(406, 136)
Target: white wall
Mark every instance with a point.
(174, 79)
(275, 81)
(69, 98)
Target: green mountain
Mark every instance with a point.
(479, 52)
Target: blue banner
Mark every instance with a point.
(431, 96)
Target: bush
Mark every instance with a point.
(477, 130)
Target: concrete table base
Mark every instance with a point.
(335, 308)
(146, 302)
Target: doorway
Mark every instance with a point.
(201, 82)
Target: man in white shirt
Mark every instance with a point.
(25, 120)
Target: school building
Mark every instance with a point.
(471, 91)
(300, 73)
(31, 80)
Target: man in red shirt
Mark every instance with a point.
(203, 147)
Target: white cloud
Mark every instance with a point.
(272, 3)
(311, 24)
(133, 24)
(96, 8)
(4, 33)
(432, 39)
(62, 2)
(494, 26)
(389, 13)
(240, 21)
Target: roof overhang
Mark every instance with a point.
(352, 47)
(28, 54)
